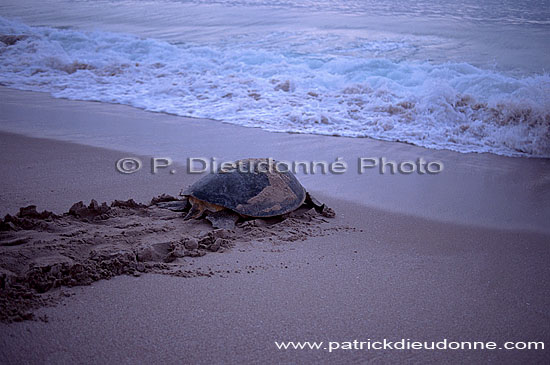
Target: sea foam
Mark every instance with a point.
(354, 91)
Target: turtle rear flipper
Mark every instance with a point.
(199, 208)
(175, 206)
(196, 211)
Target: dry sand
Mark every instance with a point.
(42, 251)
(443, 268)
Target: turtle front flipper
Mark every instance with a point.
(225, 219)
(321, 208)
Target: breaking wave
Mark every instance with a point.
(353, 92)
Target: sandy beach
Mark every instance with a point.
(461, 255)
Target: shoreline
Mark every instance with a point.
(494, 191)
(5, 89)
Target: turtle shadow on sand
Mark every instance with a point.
(42, 251)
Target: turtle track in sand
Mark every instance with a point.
(41, 252)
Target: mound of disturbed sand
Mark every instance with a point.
(40, 251)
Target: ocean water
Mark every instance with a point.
(468, 76)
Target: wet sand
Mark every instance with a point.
(473, 189)
(470, 264)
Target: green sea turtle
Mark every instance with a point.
(250, 188)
